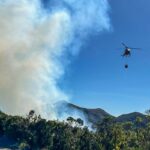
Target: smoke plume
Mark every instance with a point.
(34, 37)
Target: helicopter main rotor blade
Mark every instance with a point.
(136, 48)
(124, 45)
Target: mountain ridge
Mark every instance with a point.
(96, 115)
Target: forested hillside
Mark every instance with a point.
(35, 133)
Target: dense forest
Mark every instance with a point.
(35, 133)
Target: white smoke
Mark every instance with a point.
(32, 44)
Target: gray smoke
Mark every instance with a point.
(33, 40)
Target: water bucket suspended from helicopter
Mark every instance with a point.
(126, 66)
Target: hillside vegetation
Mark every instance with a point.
(35, 133)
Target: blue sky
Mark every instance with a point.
(97, 79)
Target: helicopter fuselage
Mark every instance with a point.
(127, 52)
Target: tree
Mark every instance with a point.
(71, 120)
(148, 114)
(80, 122)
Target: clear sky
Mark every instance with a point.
(97, 78)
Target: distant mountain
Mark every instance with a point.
(97, 115)
(65, 109)
(130, 117)
(93, 115)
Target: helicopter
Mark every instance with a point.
(127, 51)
